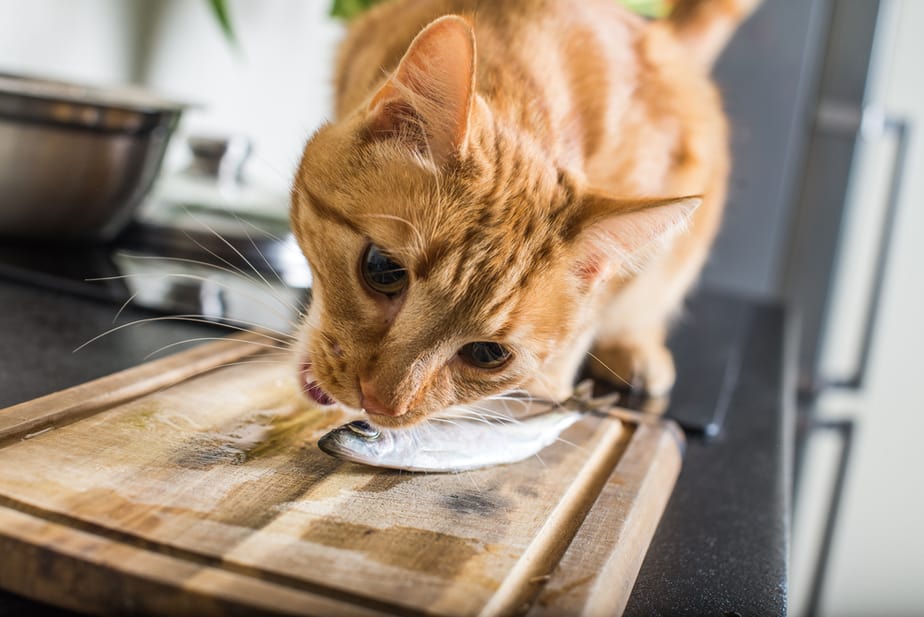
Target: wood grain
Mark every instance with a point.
(592, 579)
(60, 408)
(187, 487)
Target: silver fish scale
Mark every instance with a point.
(462, 445)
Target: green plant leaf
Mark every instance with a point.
(223, 15)
(649, 8)
(348, 9)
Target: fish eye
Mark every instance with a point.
(364, 429)
(485, 355)
(381, 273)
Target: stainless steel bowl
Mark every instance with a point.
(76, 161)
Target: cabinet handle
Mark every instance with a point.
(871, 123)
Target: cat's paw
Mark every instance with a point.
(647, 368)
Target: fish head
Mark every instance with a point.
(360, 442)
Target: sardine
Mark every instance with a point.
(446, 447)
(460, 445)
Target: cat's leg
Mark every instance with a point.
(636, 316)
(632, 331)
(555, 379)
(638, 360)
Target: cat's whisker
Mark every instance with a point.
(199, 339)
(519, 394)
(257, 248)
(493, 412)
(241, 255)
(445, 421)
(255, 328)
(484, 414)
(480, 414)
(507, 411)
(253, 226)
(503, 400)
(285, 317)
(190, 318)
(124, 305)
(500, 419)
(312, 320)
(523, 405)
(301, 192)
(475, 417)
(545, 382)
(230, 266)
(570, 443)
(508, 396)
(488, 410)
(196, 277)
(186, 260)
(614, 373)
(521, 400)
(236, 271)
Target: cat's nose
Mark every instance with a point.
(371, 402)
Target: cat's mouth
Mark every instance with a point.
(312, 388)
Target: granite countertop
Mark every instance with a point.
(721, 547)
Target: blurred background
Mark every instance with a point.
(827, 105)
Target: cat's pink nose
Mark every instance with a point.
(372, 403)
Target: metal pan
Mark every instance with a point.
(76, 161)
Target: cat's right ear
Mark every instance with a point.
(428, 100)
(618, 236)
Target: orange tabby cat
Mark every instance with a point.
(506, 185)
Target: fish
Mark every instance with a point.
(444, 448)
(460, 445)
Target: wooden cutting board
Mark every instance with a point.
(193, 485)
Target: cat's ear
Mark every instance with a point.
(620, 236)
(428, 99)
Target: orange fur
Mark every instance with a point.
(521, 160)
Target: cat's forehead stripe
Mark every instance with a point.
(432, 255)
(322, 210)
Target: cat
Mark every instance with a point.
(507, 186)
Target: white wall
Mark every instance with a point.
(83, 40)
(275, 89)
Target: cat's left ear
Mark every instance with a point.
(620, 236)
(428, 99)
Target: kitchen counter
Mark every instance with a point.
(721, 547)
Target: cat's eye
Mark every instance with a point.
(381, 273)
(485, 355)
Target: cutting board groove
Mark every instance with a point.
(32, 418)
(193, 557)
(191, 486)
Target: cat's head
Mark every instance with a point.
(452, 258)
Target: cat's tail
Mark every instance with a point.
(705, 26)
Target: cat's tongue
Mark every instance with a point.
(315, 393)
(312, 389)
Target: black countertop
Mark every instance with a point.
(721, 547)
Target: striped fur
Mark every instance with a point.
(528, 163)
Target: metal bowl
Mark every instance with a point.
(76, 161)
